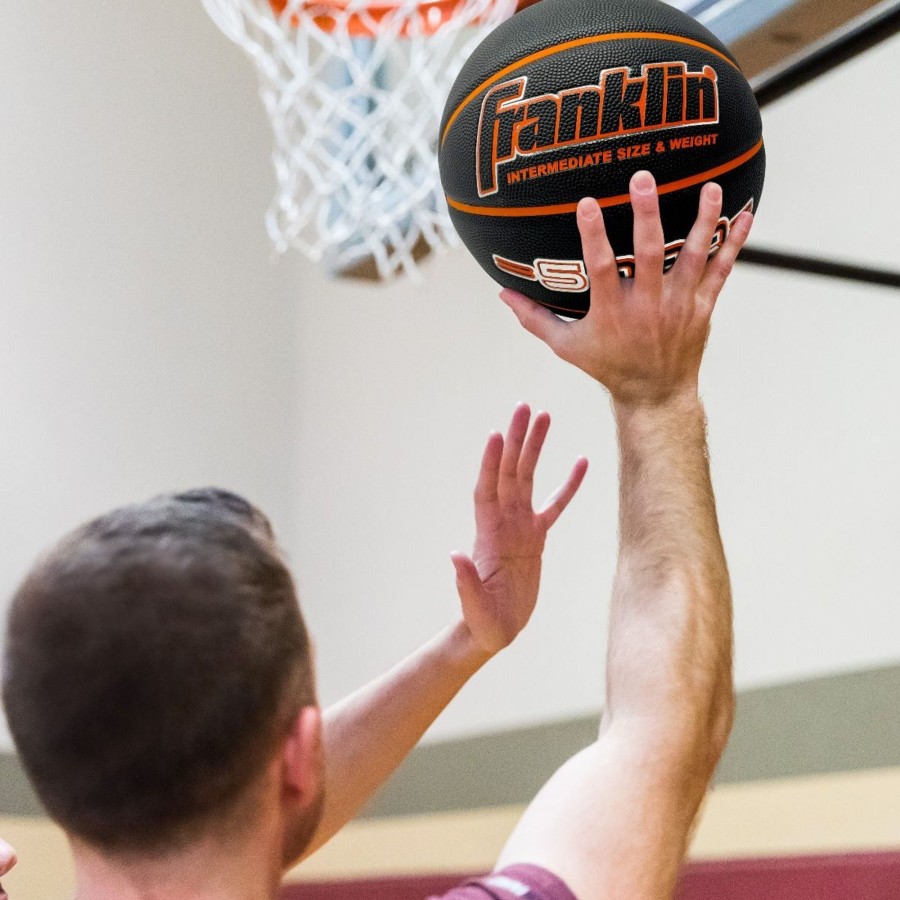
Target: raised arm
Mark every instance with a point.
(367, 735)
(615, 820)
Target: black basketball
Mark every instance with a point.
(569, 98)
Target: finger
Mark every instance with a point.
(598, 255)
(649, 250)
(486, 486)
(531, 453)
(561, 499)
(720, 266)
(692, 258)
(468, 582)
(7, 857)
(536, 319)
(466, 571)
(507, 487)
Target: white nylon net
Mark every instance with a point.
(355, 119)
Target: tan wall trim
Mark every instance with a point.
(839, 813)
(820, 814)
(44, 871)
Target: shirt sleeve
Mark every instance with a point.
(518, 882)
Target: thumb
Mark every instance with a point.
(468, 581)
(469, 588)
(534, 318)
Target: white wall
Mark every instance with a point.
(146, 339)
(401, 385)
(147, 343)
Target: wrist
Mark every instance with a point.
(460, 649)
(684, 401)
(678, 421)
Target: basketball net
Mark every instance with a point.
(355, 92)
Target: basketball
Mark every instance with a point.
(569, 98)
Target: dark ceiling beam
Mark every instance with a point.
(787, 33)
(812, 265)
(858, 35)
(861, 33)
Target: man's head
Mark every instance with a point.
(156, 663)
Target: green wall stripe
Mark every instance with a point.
(488, 770)
(837, 723)
(16, 796)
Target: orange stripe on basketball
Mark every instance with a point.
(604, 202)
(581, 42)
(514, 268)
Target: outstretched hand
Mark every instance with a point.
(498, 584)
(643, 338)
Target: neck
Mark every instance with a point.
(245, 867)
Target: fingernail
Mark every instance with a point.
(643, 182)
(588, 208)
(714, 191)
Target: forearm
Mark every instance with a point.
(670, 634)
(368, 734)
(669, 694)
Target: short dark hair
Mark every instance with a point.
(153, 660)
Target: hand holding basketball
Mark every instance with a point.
(643, 338)
(498, 584)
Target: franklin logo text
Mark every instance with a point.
(665, 95)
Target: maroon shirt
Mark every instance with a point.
(519, 882)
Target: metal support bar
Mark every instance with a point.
(793, 262)
(858, 35)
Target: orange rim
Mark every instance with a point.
(329, 14)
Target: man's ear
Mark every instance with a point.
(302, 758)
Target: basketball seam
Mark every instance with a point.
(579, 42)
